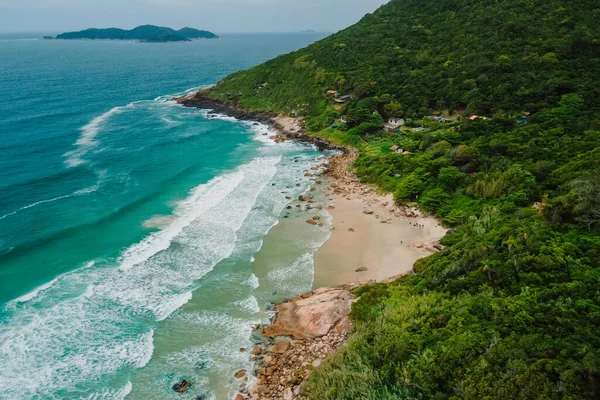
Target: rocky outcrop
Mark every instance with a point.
(303, 332)
(182, 386)
(231, 108)
(312, 315)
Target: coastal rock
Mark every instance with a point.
(240, 374)
(281, 346)
(368, 212)
(182, 386)
(239, 396)
(311, 317)
(362, 269)
(311, 221)
(256, 351)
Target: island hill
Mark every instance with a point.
(144, 33)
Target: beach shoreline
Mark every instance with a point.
(372, 237)
(372, 240)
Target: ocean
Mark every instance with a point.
(140, 241)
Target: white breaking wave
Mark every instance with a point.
(201, 199)
(87, 138)
(249, 305)
(33, 294)
(36, 204)
(111, 394)
(253, 281)
(81, 192)
(164, 310)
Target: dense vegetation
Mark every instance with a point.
(511, 308)
(148, 33)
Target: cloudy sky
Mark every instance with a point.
(215, 15)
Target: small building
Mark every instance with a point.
(396, 149)
(394, 125)
(343, 119)
(332, 92)
(406, 153)
(342, 99)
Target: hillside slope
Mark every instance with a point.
(511, 308)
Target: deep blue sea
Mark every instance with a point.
(139, 240)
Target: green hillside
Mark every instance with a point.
(511, 308)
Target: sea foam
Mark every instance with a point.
(87, 137)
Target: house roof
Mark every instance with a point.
(394, 147)
(332, 92)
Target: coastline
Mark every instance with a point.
(372, 240)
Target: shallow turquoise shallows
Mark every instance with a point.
(139, 240)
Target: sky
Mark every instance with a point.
(220, 16)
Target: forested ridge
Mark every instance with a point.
(510, 309)
(150, 33)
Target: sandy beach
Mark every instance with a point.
(372, 238)
(370, 242)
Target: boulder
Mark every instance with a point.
(182, 386)
(312, 317)
(281, 346)
(297, 390)
(288, 394)
(311, 221)
(362, 269)
(240, 374)
(368, 212)
(256, 351)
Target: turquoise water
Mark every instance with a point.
(133, 230)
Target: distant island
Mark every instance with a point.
(308, 31)
(144, 33)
